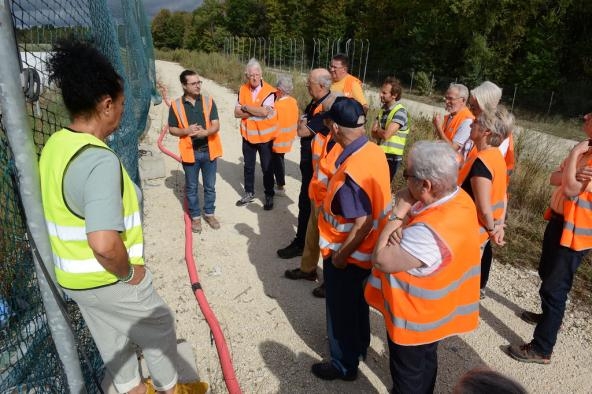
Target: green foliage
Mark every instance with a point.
(423, 83)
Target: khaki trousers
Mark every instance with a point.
(312, 251)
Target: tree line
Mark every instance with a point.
(539, 45)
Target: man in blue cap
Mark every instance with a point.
(353, 213)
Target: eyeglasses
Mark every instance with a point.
(407, 175)
(448, 98)
(334, 66)
(253, 75)
(194, 83)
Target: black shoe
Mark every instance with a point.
(247, 198)
(296, 274)
(531, 317)
(292, 250)
(319, 292)
(328, 371)
(268, 206)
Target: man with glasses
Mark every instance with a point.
(344, 82)
(258, 127)
(425, 276)
(193, 118)
(456, 126)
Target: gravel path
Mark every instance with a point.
(274, 328)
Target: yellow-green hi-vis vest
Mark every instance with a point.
(75, 264)
(396, 144)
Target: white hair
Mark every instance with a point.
(463, 91)
(253, 64)
(488, 95)
(284, 83)
(436, 162)
(499, 122)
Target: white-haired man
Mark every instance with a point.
(456, 126)
(258, 127)
(425, 279)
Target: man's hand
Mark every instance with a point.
(339, 260)
(193, 130)
(437, 121)
(584, 174)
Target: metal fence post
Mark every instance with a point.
(12, 102)
(366, 63)
(412, 76)
(514, 97)
(550, 102)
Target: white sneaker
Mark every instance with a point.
(280, 192)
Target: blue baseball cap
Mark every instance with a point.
(347, 112)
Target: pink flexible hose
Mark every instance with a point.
(223, 354)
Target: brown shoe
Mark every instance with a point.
(527, 354)
(196, 225)
(212, 221)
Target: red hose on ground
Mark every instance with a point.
(223, 354)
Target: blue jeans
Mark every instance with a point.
(413, 368)
(557, 268)
(250, 155)
(279, 168)
(348, 315)
(208, 173)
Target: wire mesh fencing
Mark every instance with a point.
(29, 361)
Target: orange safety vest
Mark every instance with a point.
(185, 143)
(494, 161)
(368, 168)
(323, 171)
(577, 221)
(419, 310)
(287, 114)
(317, 142)
(450, 128)
(255, 129)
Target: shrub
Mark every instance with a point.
(423, 83)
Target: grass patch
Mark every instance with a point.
(529, 189)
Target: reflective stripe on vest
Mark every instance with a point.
(75, 264)
(396, 144)
(425, 309)
(368, 168)
(577, 224)
(185, 142)
(256, 129)
(323, 170)
(86, 266)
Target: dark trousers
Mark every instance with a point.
(486, 259)
(279, 169)
(250, 156)
(303, 201)
(394, 161)
(557, 268)
(413, 368)
(348, 315)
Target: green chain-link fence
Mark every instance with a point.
(29, 361)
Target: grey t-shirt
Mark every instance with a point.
(92, 189)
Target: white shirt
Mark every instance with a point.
(423, 244)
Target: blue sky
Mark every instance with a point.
(153, 6)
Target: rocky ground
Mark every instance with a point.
(274, 327)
